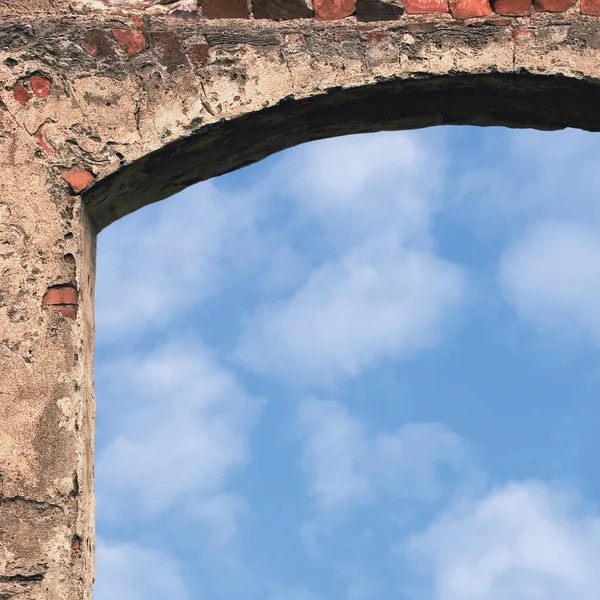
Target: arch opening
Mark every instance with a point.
(492, 512)
(522, 100)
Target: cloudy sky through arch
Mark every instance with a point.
(365, 368)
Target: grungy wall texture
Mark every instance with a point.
(109, 105)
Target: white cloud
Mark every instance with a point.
(127, 571)
(524, 541)
(524, 175)
(219, 513)
(377, 301)
(366, 184)
(346, 464)
(380, 292)
(187, 433)
(169, 258)
(363, 205)
(336, 445)
(552, 278)
(359, 585)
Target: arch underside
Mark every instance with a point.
(518, 100)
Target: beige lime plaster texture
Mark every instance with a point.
(96, 124)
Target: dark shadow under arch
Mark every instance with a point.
(513, 100)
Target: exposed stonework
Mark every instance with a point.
(333, 10)
(108, 106)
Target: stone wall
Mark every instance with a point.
(106, 107)
(363, 10)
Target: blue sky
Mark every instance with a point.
(365, 368)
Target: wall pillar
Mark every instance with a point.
(47, 251)
(132, 107)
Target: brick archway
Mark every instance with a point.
(108, 106)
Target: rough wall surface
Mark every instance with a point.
(106, 106)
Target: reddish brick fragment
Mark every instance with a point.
(377, 37)
(40, 86)
(198, 54)
(168, 50)
(137, 20)
(468, 9)
(590, 7)
(60, 295)
(512, 8)
(90, 49)
(47, 148)
(225, 9)
(554, 5)
(78, 179)
(21, 94)
(130, 41)
(295, 41)
(334, 10)
(425, 7)
(522, 33)
(280, 10)
(99, 45)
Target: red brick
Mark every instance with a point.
(522, 33)
(99, 45)
(131, 42)
(468, 9)
(424, 7)
(137, 20)
(78, 179)
(280, 10)
(333, 10)
(198, 54)
(512, 8)
(60, 295)
(21, 94)
(168, 50)
(590, 7)
(40, 86)
(47, 148)
(225, 9)
(554, 5)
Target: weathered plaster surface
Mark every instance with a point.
(46, 387)
(108, 106)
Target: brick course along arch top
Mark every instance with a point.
(106, 106)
